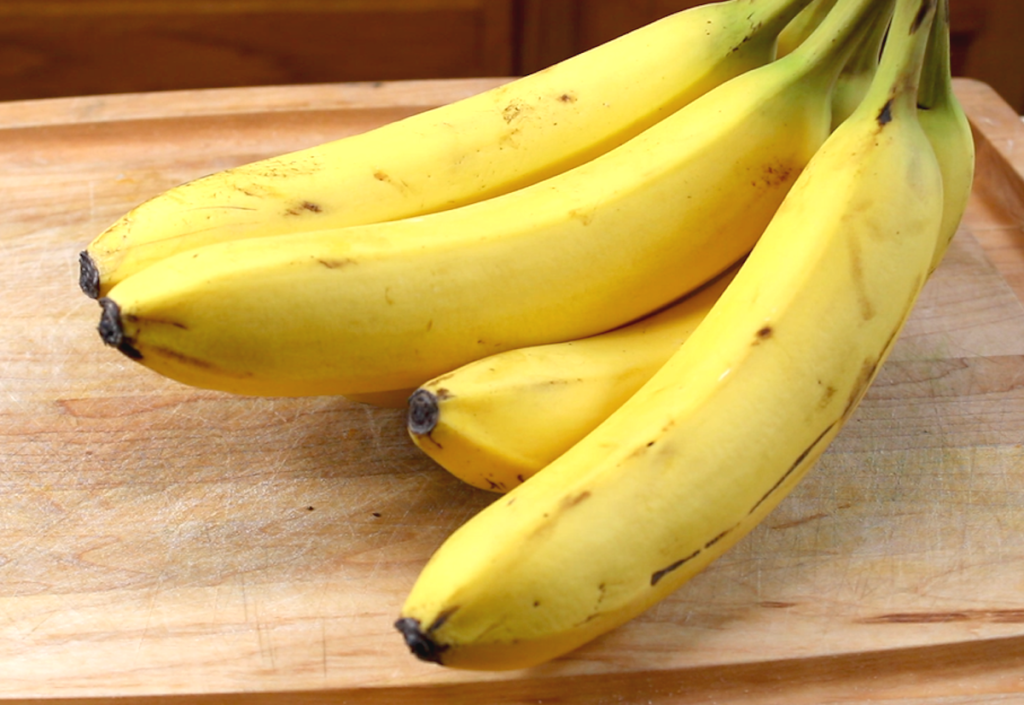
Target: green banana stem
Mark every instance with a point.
(837, 36)
(856, 77)
(774, 16)
(894, 92)
(865, 58)
(936, 89)
(803, 25)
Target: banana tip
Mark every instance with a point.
(421, 645)
(423, 412)
(88, 275)
(112, 332)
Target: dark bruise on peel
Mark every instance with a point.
(885, 114)
(88, 275)
(420, 644)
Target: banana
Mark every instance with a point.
(948, 129)
(388, 306)
(703, 451)
(497, 421)
(485, 145)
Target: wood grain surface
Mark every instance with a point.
(158, 542)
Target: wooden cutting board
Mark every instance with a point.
(161, 541)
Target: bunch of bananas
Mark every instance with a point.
(664, 272)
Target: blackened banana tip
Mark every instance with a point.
(423, 412)
(421, 645)
(111, 331)
(88, 275)
(110, 323)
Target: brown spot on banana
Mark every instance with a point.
(776, 173)
(867, 309)
(826, 396)
(763, 334)
(573, 501)
(336, 263)
(585, 217)
(513, 110)
(307, 206)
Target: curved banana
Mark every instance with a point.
(488, 144)
(728, 426)
(391, 305)
(948, 129)
(497, 421)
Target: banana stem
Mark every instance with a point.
(774, 16)
(936, 89)
(894, 90)
(803, 25)
(869, 51)
(828, 49)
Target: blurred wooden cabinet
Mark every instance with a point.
(75, 47)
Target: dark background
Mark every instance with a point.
(51, 48)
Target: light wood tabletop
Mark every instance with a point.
(158, 541)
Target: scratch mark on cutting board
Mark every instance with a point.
(323, 646)
(1007, 616)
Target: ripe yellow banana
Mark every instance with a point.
(946, 125)
(728, 426)
(391, 305)
(497, 421)
(492, 143)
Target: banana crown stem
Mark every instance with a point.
(827, 50)
(936, 87)
(865, 58)
(894, 89)
(801, 27)
(771, 17)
